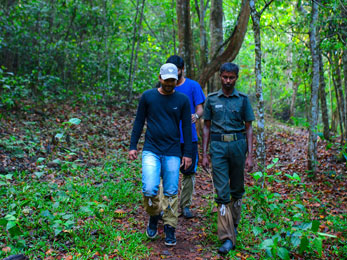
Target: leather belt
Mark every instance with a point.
(228, 137)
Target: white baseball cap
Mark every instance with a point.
(169, 71)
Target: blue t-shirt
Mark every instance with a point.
(196, 97)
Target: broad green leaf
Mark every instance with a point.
(10, 224)
(75, 121)
(257, 175)
(283, 253)
(257, 231)
(10, 217)
(3, 222)
(40, 159)
(295, 241)
(266, 243)
(57, 231)
(39, 174)
(15, 231)
(59, 135)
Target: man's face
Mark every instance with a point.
(168, 85)
(228, 79)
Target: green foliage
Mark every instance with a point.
(81, 210)
(12, 89)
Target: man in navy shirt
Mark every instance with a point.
(163, 109)
(196, 97)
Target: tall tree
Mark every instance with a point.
(313, 118)
(234, 44)
(261, 152)
(216, 36)
(185, 35)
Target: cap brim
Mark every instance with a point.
(169, 76)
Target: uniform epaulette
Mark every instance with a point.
(213, 93)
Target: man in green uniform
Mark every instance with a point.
(228, 119)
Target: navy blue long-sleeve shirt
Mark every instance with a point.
(163, 114)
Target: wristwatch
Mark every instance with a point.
(196, 116)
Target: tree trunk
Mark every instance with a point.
(185, 35)
(261, 152)
(134, 51)
(201, 11)
(336, 77)
(234, 45)
(216, 36)
(293, 100)
(313, 119)
(344, 58)
(323, 99)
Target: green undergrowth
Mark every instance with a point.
(81, 214)
(280, 225)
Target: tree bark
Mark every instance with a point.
(234, 45)
(216, 36)
(185, 35)
(201, 11)
(323, 99)
(261, 152)
(313, 118)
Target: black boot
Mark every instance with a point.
(187, 213)
(226, 247)
(151, 230)
(170, 238)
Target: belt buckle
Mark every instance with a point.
(229, 138)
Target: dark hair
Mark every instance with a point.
(229, 67)
(177, 60)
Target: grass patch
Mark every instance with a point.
(85, 213)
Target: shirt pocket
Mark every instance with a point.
(218, 112)
(236, 114)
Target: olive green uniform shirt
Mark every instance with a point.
(228, 114)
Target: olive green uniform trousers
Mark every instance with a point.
(228, 163)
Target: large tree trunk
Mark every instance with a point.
(313, 119)
(234, 45)
(216, 32)
(323, 99)
(201, 11)
(185, 35)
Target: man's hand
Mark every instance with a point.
(205, 161)
(193, 118)
(186, 162)
(132, 154)
(249, 163)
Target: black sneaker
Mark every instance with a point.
(187, 213)
(226, 247)
(152, 230)
(170, 238)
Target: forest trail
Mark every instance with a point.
(289, 145)
(106, 132)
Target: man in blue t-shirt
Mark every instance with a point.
(196, 96)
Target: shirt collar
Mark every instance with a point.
(235, 93)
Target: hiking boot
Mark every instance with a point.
(170, 238)
(187, 213)
(152, 228)
(226, 247)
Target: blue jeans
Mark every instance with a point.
(155, 166)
